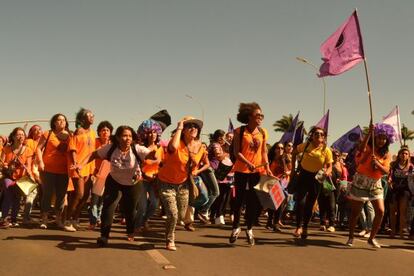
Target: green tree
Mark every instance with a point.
(407, 134)
(283, 124)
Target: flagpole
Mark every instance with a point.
(399, 126)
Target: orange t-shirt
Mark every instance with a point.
(55, 154)
(152, 169)
(9, 156)
(366, 168)
(83, 144)
(174, 167)
(98, 161)
(251, 149)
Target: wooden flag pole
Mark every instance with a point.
(29, 121)
(370, 102)
(399, 126)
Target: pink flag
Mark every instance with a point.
(277, 195)
(324, 122)
(343, 49)
(393, 119)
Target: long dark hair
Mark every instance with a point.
(383, 150)
(118, 134)
(54, 119)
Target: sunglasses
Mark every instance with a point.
(318, 133)
(259, 115)
(191, 125)
(280, 148)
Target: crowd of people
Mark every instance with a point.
(134, 173)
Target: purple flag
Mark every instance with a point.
(289, 135)
(230, 129)
(299, 134)
(343, 49)
(324, 122)
(349, 140)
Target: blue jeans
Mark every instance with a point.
(367, 216)
(210, 181)
(147, 203)
(95, 208)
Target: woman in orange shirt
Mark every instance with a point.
(149, 133)
(17, 161)
(366, 184)
(52, 156)
(184, 154)
(81, 145)
(32, 141)
(251, 161)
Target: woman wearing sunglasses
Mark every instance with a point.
(316, 156)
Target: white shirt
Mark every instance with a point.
(124, 166)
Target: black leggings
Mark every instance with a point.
(306, 195)
(249, 197)
(111, 197)
(327, 206)
(219, 206)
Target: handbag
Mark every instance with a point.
(193, 191)
(294, 177)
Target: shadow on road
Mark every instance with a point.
(70, 243)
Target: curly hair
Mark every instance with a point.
(246, 110)
(146, 127)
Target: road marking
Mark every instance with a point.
(158, 257)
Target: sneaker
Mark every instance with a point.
(234, 235)
(171, 246)
(322, 228)
(14, 224)
(362, 233)
(374, 243)
(367, 234)
(221, 219)
(69, 227)
(102, 241)
(330, 229)
(189, 227)
(43, 226)
(350, 242)
(164, 217)
(250, 237)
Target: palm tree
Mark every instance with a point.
(407, 134)
(283, 124)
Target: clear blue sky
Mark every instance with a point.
(124, 59)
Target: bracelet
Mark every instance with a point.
(179, 128)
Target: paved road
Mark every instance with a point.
(204, 252)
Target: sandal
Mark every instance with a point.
(171, 246)
(298, 232)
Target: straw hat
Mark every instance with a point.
(192, 120)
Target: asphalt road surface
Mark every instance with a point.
(25, 251)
